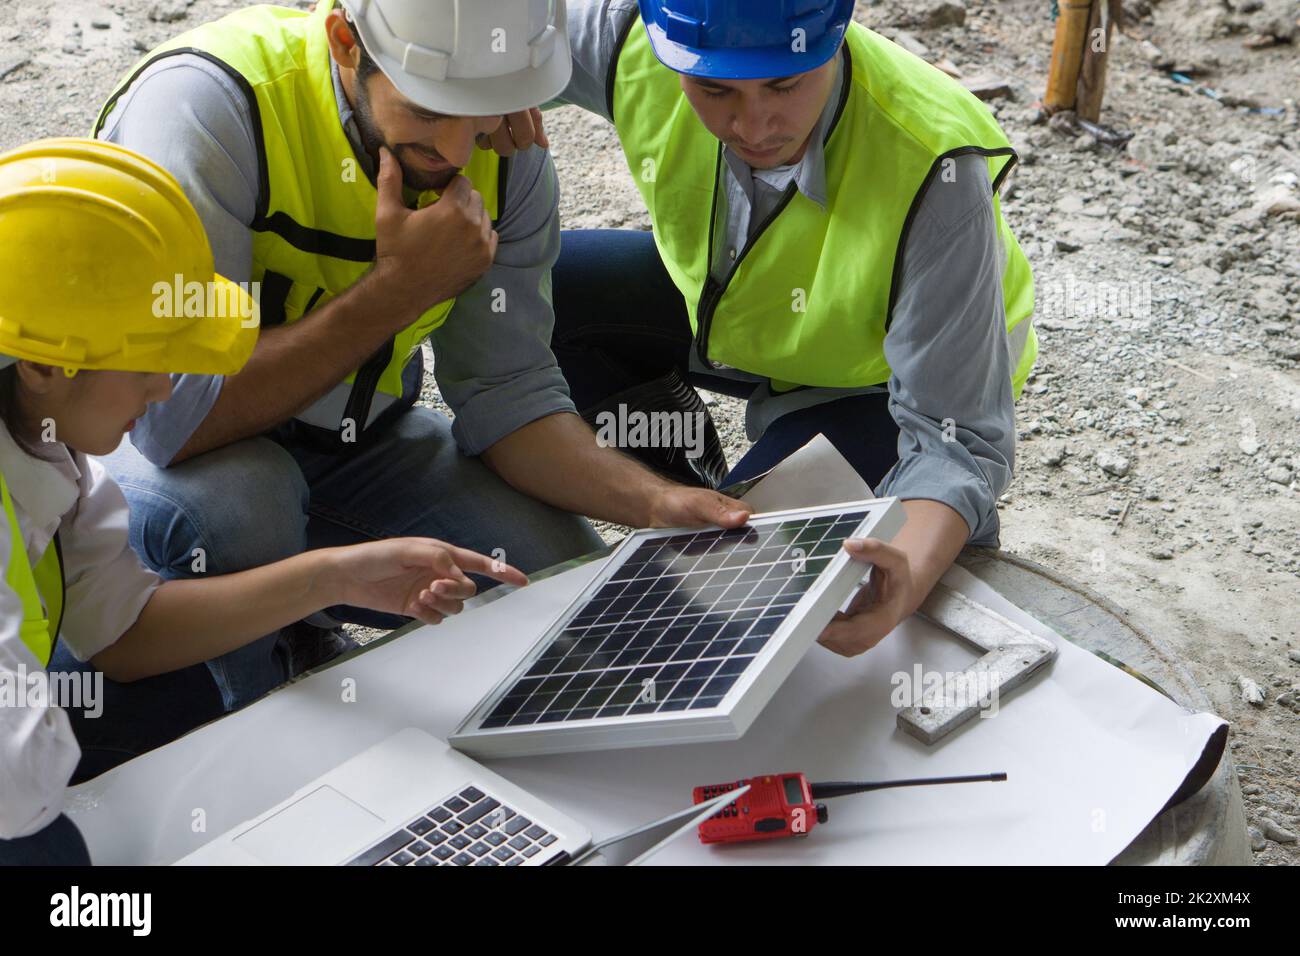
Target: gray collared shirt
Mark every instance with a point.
(947, 346)
(494, 368)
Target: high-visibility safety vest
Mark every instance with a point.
(811, 297)
(41, 588)
(314, 225)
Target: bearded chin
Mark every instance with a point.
(424, 182)
(372, 139)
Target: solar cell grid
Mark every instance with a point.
(676, 625)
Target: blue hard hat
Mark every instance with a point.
(745, 39)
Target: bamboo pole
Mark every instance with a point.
(1092, 74)
(1067, 54)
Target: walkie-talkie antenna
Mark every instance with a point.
(825, 791)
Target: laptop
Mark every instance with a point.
(411, 800)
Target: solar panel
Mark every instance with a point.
(684, 635)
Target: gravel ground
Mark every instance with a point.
(1159, 460)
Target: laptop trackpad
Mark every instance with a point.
(318, 830)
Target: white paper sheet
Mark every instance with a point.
(1092, 754)
(816, 474)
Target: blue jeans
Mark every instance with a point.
(59, 844)
(267, 498)
(620, 321)
(139, 716)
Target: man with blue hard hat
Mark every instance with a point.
(827, 244)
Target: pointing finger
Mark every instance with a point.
(490, 567)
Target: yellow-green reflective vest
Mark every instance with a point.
(40, 588)
(810, 299)
(314, 225)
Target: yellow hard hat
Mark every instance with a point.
(104, 264)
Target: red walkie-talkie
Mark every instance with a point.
(784, 804)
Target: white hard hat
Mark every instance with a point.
(468, 57)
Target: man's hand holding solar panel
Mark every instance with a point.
(881, 603)
(680, 506)
(903, 572)
(890, 594)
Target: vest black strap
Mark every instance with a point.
(275, 295)
(846, 82)
(315, 241)
(367, 378)
(612, 72)
(305, 238)
(63, 590)
(897, 278)
(263, 177)
(503, 179)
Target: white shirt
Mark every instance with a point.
(107, 587)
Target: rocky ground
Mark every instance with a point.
(1160, 435)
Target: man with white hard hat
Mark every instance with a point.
(344, 160)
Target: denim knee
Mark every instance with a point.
(59, 844)
(227, 510)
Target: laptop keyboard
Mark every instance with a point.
(469, 828)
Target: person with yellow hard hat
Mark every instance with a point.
(332, 158)
(96, 241)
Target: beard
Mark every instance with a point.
(372, 139)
